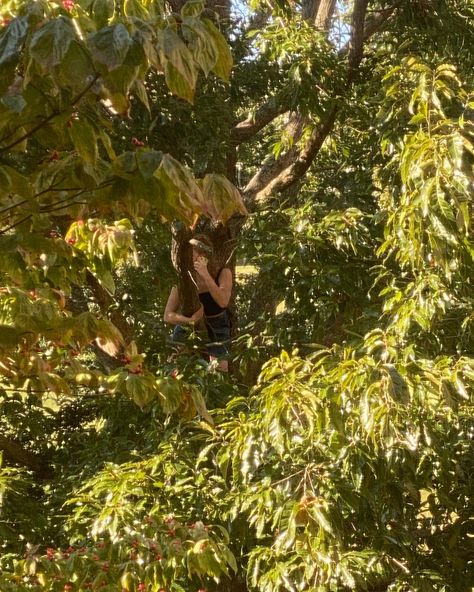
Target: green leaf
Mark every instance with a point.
(201, 43)
(223, 67)
(11, 40)
(140, 390)
(141, 92)
(9, 337)
(200, 404)
(148, 161)
(135, 8)
(192, 8)
(15, 103)
(84, 139)
(11, 181)
(178, 63)
(76, 69)
(110, 46)
(118, 84)
(50, 44)
(103, 11)
(221, 198)
(182, 179)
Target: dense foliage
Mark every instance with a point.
(339, 453)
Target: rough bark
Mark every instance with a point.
(319, 13)
(246, 130)
(357, 37)
(278, 175)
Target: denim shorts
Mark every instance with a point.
(218, 330)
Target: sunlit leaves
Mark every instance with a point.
(428, 229)
(333, 452)
(221, 198)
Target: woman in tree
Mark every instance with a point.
(214, 286)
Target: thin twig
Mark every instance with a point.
(50, 117)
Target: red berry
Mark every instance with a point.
(137, 142)
(72, 240)
(68, 4)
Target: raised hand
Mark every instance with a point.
(200, 265)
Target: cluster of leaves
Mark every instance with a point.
(427, 197)
(353, 467)
(127, 527)
(67, 68)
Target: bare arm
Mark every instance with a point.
(220, 292)
(175, 318)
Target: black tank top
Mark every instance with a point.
(211, 308)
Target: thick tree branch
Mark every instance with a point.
(278, 175)
(379, 19)
(319, 13)
(245, 130)
(357, 37)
